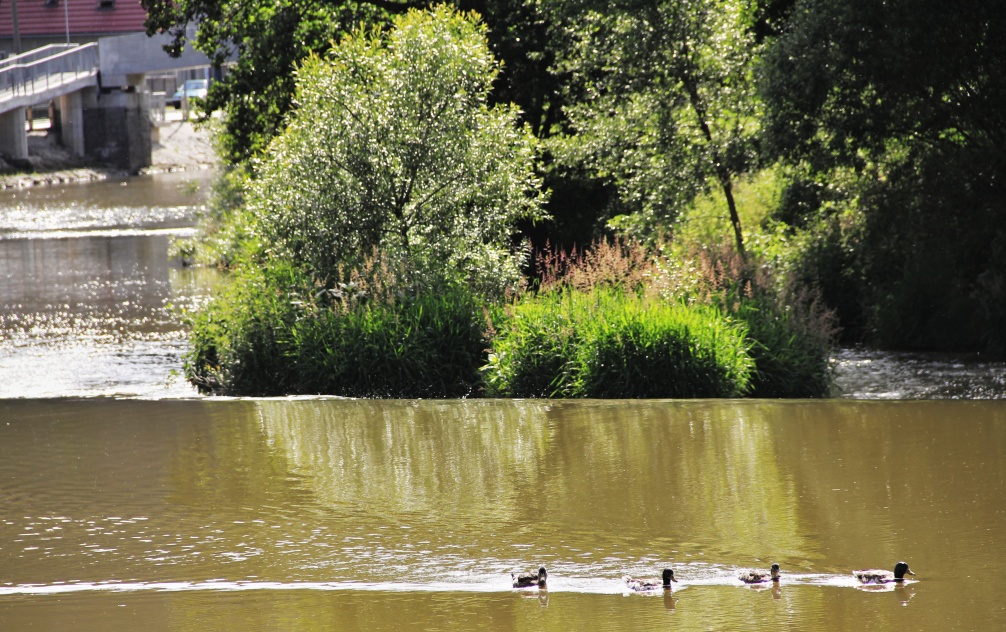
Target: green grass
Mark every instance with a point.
(271, 333)
(614, 344)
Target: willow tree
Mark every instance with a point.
(663, 104)
(393, 148)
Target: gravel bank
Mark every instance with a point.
(177, 145)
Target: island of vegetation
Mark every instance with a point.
(573, 198)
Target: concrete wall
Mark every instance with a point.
(134, 54)
(13, 137)
(71, 122)
(117, 128)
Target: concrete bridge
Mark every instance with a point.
(99, 93)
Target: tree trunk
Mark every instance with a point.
(722, 173)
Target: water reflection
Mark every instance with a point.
(523, 472)
(189, 503)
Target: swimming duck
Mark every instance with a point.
(875, 576)
(640, 585)
(526, 580)
(758, 577)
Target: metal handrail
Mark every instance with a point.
(35, 54)
(52, 71)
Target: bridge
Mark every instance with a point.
(99, 92)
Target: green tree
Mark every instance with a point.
(393, 147)
(662, 100)
(892, 112)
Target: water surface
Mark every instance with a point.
(262, 515)
(127, 502)
(89, 299)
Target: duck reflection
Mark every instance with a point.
(669, 600)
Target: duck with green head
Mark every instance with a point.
(642, 585)
(760, 577)
(527, 580)
(877, 576)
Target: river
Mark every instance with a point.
(129, 502)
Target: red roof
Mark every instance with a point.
(87, 17)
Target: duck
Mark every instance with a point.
(526, 580)
(876, 576)
(759, 577)
(641, 585)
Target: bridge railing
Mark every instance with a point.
(35, 54)
(25, 77)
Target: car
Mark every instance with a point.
(191, 88)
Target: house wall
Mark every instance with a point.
(41, 22)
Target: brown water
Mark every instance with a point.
(336, 514)
(87, 287)
(129, 503)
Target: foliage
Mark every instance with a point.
(661, 102)
(272, 333)
(381, 215)
(790, 330)
(521, 37)
(905, 97)
(394, 147)
(610, 343)
(612, 263)
(238, 343)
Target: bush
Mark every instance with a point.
(611, 343)
(272, 333)
(429, 345)
(394, 147)
(238, 344)
(790, 331)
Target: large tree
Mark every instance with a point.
(394, 147)
(661, 100)
(902, 100)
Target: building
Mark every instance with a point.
(42, 22)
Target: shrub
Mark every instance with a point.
(238, 344)
(790, 331)
(428, 345)
(611, 343)
(393, 146)
(271, 332)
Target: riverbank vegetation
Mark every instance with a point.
(586, 199)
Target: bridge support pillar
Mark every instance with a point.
(71, 112)
(13, 135)
(117, 127)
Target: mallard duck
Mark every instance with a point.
(526, 580)
(876, 576)
(758, 577)
(641, 585)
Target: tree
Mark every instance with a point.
(270, 38)
(393, 147)
(662, 100)
(906, 96)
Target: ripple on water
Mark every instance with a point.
(871, 374)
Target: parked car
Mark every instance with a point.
(191, 88)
